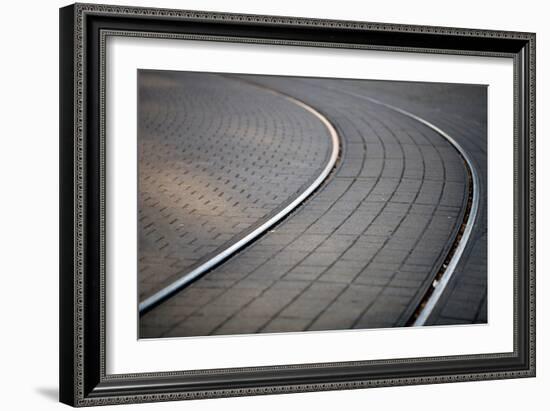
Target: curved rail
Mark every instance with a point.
(438, 286)
(202, 269)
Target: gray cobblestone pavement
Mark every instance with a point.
(215, 157)
(461, 111)
(361, 252)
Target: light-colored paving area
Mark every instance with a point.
(361, 252)
(216, 157)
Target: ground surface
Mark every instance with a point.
(216, 156)
(221, 153)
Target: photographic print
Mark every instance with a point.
(273, 187)
(275, 204)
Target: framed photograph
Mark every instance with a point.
(260, 204)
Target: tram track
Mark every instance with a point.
(432, 290)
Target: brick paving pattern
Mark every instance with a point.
(461, 110)
(215, 157)
(361, 252)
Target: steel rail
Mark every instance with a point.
(438, 285)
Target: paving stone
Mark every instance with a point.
(304, 273)
(283, 324)
(357, 253)
(211, 152)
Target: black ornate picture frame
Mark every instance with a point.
(83, 378)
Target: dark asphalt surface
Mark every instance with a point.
(361, 252)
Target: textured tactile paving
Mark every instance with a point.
(362, 250)
(216, 156)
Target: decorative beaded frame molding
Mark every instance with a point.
(83, 30)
